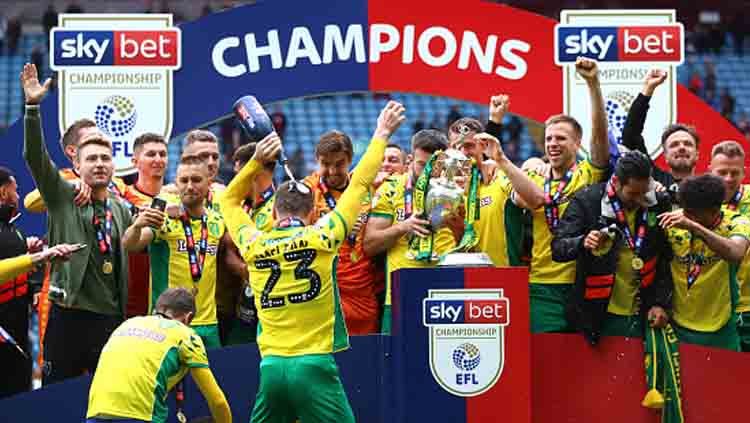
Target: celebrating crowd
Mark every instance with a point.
(612, 249)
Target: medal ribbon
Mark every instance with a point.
(635, 243)
(734, 202)
(420, 248)
(330, 201)
(196, 254)
(104, 232)
(551, 200)
(261, 200)
(408, 196)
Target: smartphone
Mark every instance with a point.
(158, 204)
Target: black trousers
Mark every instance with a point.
(16, 369)
(74, 341)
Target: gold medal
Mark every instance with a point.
(195, 291)
(637, 263)
(107, 267)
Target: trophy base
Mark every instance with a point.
(466, 260)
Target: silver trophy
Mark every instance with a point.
(445, 197)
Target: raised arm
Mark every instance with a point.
(632, 133)
(51, 185)
(498, 106)
(530, 194)
(141, 232)
(364, 174)
(732, 248)
(239, 224)
(589, 71)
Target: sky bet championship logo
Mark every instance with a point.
(117, 71)
(467, 338)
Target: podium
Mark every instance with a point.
(461, 345)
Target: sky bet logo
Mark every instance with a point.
(663, 43)
(116, 48)
(447, 312)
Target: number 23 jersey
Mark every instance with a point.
(293, 276)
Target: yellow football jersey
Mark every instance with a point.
(293, 268)
(141, 362)
(170, 266)
(705, 305)
(262, 216)
(389, 203)
(743, 274)
(543, 268)
(622, 301)
(491, 224)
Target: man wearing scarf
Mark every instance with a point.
(622, 272)
(728, 163)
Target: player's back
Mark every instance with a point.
(293, 275)
(141, 362)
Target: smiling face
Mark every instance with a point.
(150, 160)
(193, 182)
(561, 144)
(681, 151)
(394, 161)
(334, 167)
(731, 170)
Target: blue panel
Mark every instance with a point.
(417, 397)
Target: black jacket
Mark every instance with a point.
(590, 210)
(632, 138)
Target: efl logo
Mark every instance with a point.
(467, 338)
(446, 312)
(663, 43)
(116, 48)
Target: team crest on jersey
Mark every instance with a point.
(467, 338)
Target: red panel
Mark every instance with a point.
(536, 95)
(574, 382)
(509, 399)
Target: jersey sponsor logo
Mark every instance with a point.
(485, 201)
(182, 247)
(656, 43)
(467, 338)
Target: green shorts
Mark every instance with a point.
(726, 337)
(627, 326)
(209, 334)
(385, 322)
(305, 387)
(547, 307)
(743, 330)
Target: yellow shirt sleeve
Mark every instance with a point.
(12, 267)
(383, 201)
(362, 178)
(213, 394)
(240, 226)
(193, 352)
(33, 202)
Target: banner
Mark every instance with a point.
(287, 49)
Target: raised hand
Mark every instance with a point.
(268, 149)
(675, 219)
(654, 78)
(83, 193)
(149, 217)
(587, 68)
(493, 149)
(391, 117)
(499, 105)
(32, 90)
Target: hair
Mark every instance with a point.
(429, 140)
(705, 192)
(671, 129)
(293, 201)
(70, 137)
(94, 140)
(146, 138)
(5, 175)
(200, 135)
(570, 120)
(334, 142)
(728, 148)
(179, 301)
(192, 161)
(245, 152)
(633, 165)
(472, 124)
